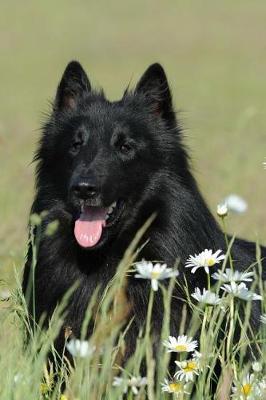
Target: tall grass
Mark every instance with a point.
(26, 374)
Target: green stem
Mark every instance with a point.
(231, 328)
(227, 244)
(209, 281)
(148, 344)
(204, 322)
(149, 314)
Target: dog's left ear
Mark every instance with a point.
(154, 85)
(73, 85)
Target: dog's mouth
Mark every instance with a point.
(93, 220)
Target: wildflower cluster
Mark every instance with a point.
(190, 363)
(187, 368)
(233, 281)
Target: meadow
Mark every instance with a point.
(214, 54)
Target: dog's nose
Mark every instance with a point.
(84, 190)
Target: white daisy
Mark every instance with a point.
(121, 382)
(187, 370)
(176, 387)
(197, 355)
(154, 272)
(246, 389)
(18, 378)
(228, 276)
(206, 297)
(206, 259)
(200, 360)
(5, 294)
(222, 210)
(236, 204)
(80, 348)
(257, 366)
(135, 383)
(260, 389)
(263, 318)
(180, 344)
(241, 291)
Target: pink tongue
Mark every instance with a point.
(88, 228)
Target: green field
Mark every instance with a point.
(213, 52)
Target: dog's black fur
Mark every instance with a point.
(129, 151)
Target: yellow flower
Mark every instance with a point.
(176, 387)
(190, 366)
(44, 388)
(246, 389)
(187, 370)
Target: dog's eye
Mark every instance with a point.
(76, 146)
(125, 148)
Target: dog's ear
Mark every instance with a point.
(73, 85)
(154, 85)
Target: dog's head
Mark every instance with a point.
(103, 159)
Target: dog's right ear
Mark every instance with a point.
(73, 85)
(154, 86)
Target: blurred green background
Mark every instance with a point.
(214, 53)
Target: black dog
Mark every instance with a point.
(102, 169)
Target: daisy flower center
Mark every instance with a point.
(211, 262)
(246, 389)
(181, 347)
(155, 275)
(175, 387)
(191, 366)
